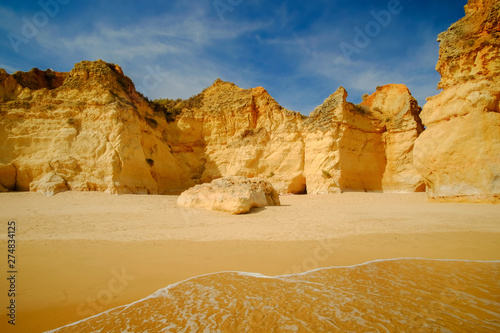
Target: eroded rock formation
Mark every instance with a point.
(240, 132)
(89, 129)
(344, 150)
(366, 147)
(92, 131)
(459, 153)
(7, 177)
(397, 114)
(235, 195)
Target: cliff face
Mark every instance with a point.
(398, 115)
(366, 147)
(90, 130)
(344, 150)
(238, 132)
(459, 153)
(11, 86)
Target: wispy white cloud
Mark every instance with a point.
(10, 20)
(8, 68)
(109, 43)
(176, 45)
(291, 48)
(161, 36)
(175, 84)
(363, 77)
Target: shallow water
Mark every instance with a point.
(403, 295)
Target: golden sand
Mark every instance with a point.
(83, 253)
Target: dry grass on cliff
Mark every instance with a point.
(173, 107)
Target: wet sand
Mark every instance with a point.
(402, 295)
(82, 253)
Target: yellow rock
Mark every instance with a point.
(240, 132)
(50, 184)
(398, 115)
(459, 153)
(92, 129)
(235, 195)
(7, 177)
(366, 147)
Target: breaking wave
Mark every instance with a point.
(400, 295)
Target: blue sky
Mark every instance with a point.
(300, 51)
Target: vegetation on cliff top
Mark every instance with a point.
(37, 79)
(173, 107)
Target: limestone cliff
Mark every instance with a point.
(11, 86)
(459, 153)
(89, 129)
(240, 132)
(366, 147)
(344, 151)
(398, 116)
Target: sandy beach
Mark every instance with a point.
(81, 253)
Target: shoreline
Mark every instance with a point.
(78, 256)
(75, 290)
(447, 287)
(257, 275)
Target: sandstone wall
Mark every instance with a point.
(459, 153)
(366, 147)
(240, 132)
(343, 149)
(397, 114)
(90, 130)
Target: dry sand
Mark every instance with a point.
(81, 253)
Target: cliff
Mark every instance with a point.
(89, 133)
(239, 132)
(398, 115)
(459, 153)
(89, 129)
(366, 147)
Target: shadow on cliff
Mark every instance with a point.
(362, 155)
(190, 153)
(362, 171)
